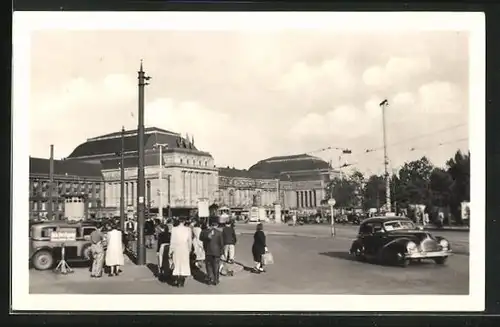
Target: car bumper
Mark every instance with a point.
(424, 255)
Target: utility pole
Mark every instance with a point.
(160, 146)
(384, 104)
(122, 181)
(141, 249)
(51, 182)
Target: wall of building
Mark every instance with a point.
(303, 194)
(186, 178)
(244, 192)
(63, 186)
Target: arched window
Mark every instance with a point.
(206, 163)
(181, 160)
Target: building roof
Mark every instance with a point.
(283, 164)
(243, 173)
(305, 176)
(41, 166)
(111, 143)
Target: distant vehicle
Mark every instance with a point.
(354, 218)
(257, 214)
(44, 253)
(397, 241)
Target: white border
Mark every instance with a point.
(26, 22)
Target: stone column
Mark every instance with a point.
(94, 200)
(132, 193)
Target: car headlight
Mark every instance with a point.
(444, 244)
(411, 247)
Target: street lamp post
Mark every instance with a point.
(160, 147)
(122, 180)
(141, 249)
(384, 104)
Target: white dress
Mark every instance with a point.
(114, 251)
(180, 249)
(199, 251)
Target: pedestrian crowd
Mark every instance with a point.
(183, 245)
(107, 250)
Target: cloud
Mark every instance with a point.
(308, 85)
(396, 72)
(68, 113)
(246, 96)
(221, 134)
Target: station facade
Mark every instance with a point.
(188, 174)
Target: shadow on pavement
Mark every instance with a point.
(245, 268)
(339, 255)
(198, 274)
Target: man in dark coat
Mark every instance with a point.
(149, 232)
(229, 236)
(213, 243)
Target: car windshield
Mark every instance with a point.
(398, 224)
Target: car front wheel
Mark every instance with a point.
(440, 260)
(43, 260)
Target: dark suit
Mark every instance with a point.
(213, 244)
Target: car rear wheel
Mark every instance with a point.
(440, 260)
(43, 260)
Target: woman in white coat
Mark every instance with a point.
(179, 251)
(114, 252)
(198, 249)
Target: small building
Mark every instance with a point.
(71, 180)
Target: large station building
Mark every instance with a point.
(188, 175)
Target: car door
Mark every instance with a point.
(366, 237)
(379, 237)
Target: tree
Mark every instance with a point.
(374, 192)
(440, 186)
(358, 179)
(343, 191)
(414, 178)
(459, 170)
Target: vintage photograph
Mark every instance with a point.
(282, 161)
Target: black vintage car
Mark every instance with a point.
(397, 241)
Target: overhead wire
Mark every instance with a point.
(414, 149)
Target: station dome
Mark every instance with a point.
(293, 163)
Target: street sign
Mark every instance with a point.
(203, 210)
(331, 202)
(63, 235)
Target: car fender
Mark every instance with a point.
(398, 244)
(356, 244)
(440, 238)
(41, 248)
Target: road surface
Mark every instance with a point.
(459, 240)
(302, 265)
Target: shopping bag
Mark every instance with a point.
(267, 258)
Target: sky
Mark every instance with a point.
(247, 96)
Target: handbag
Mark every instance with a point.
(267, 258)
